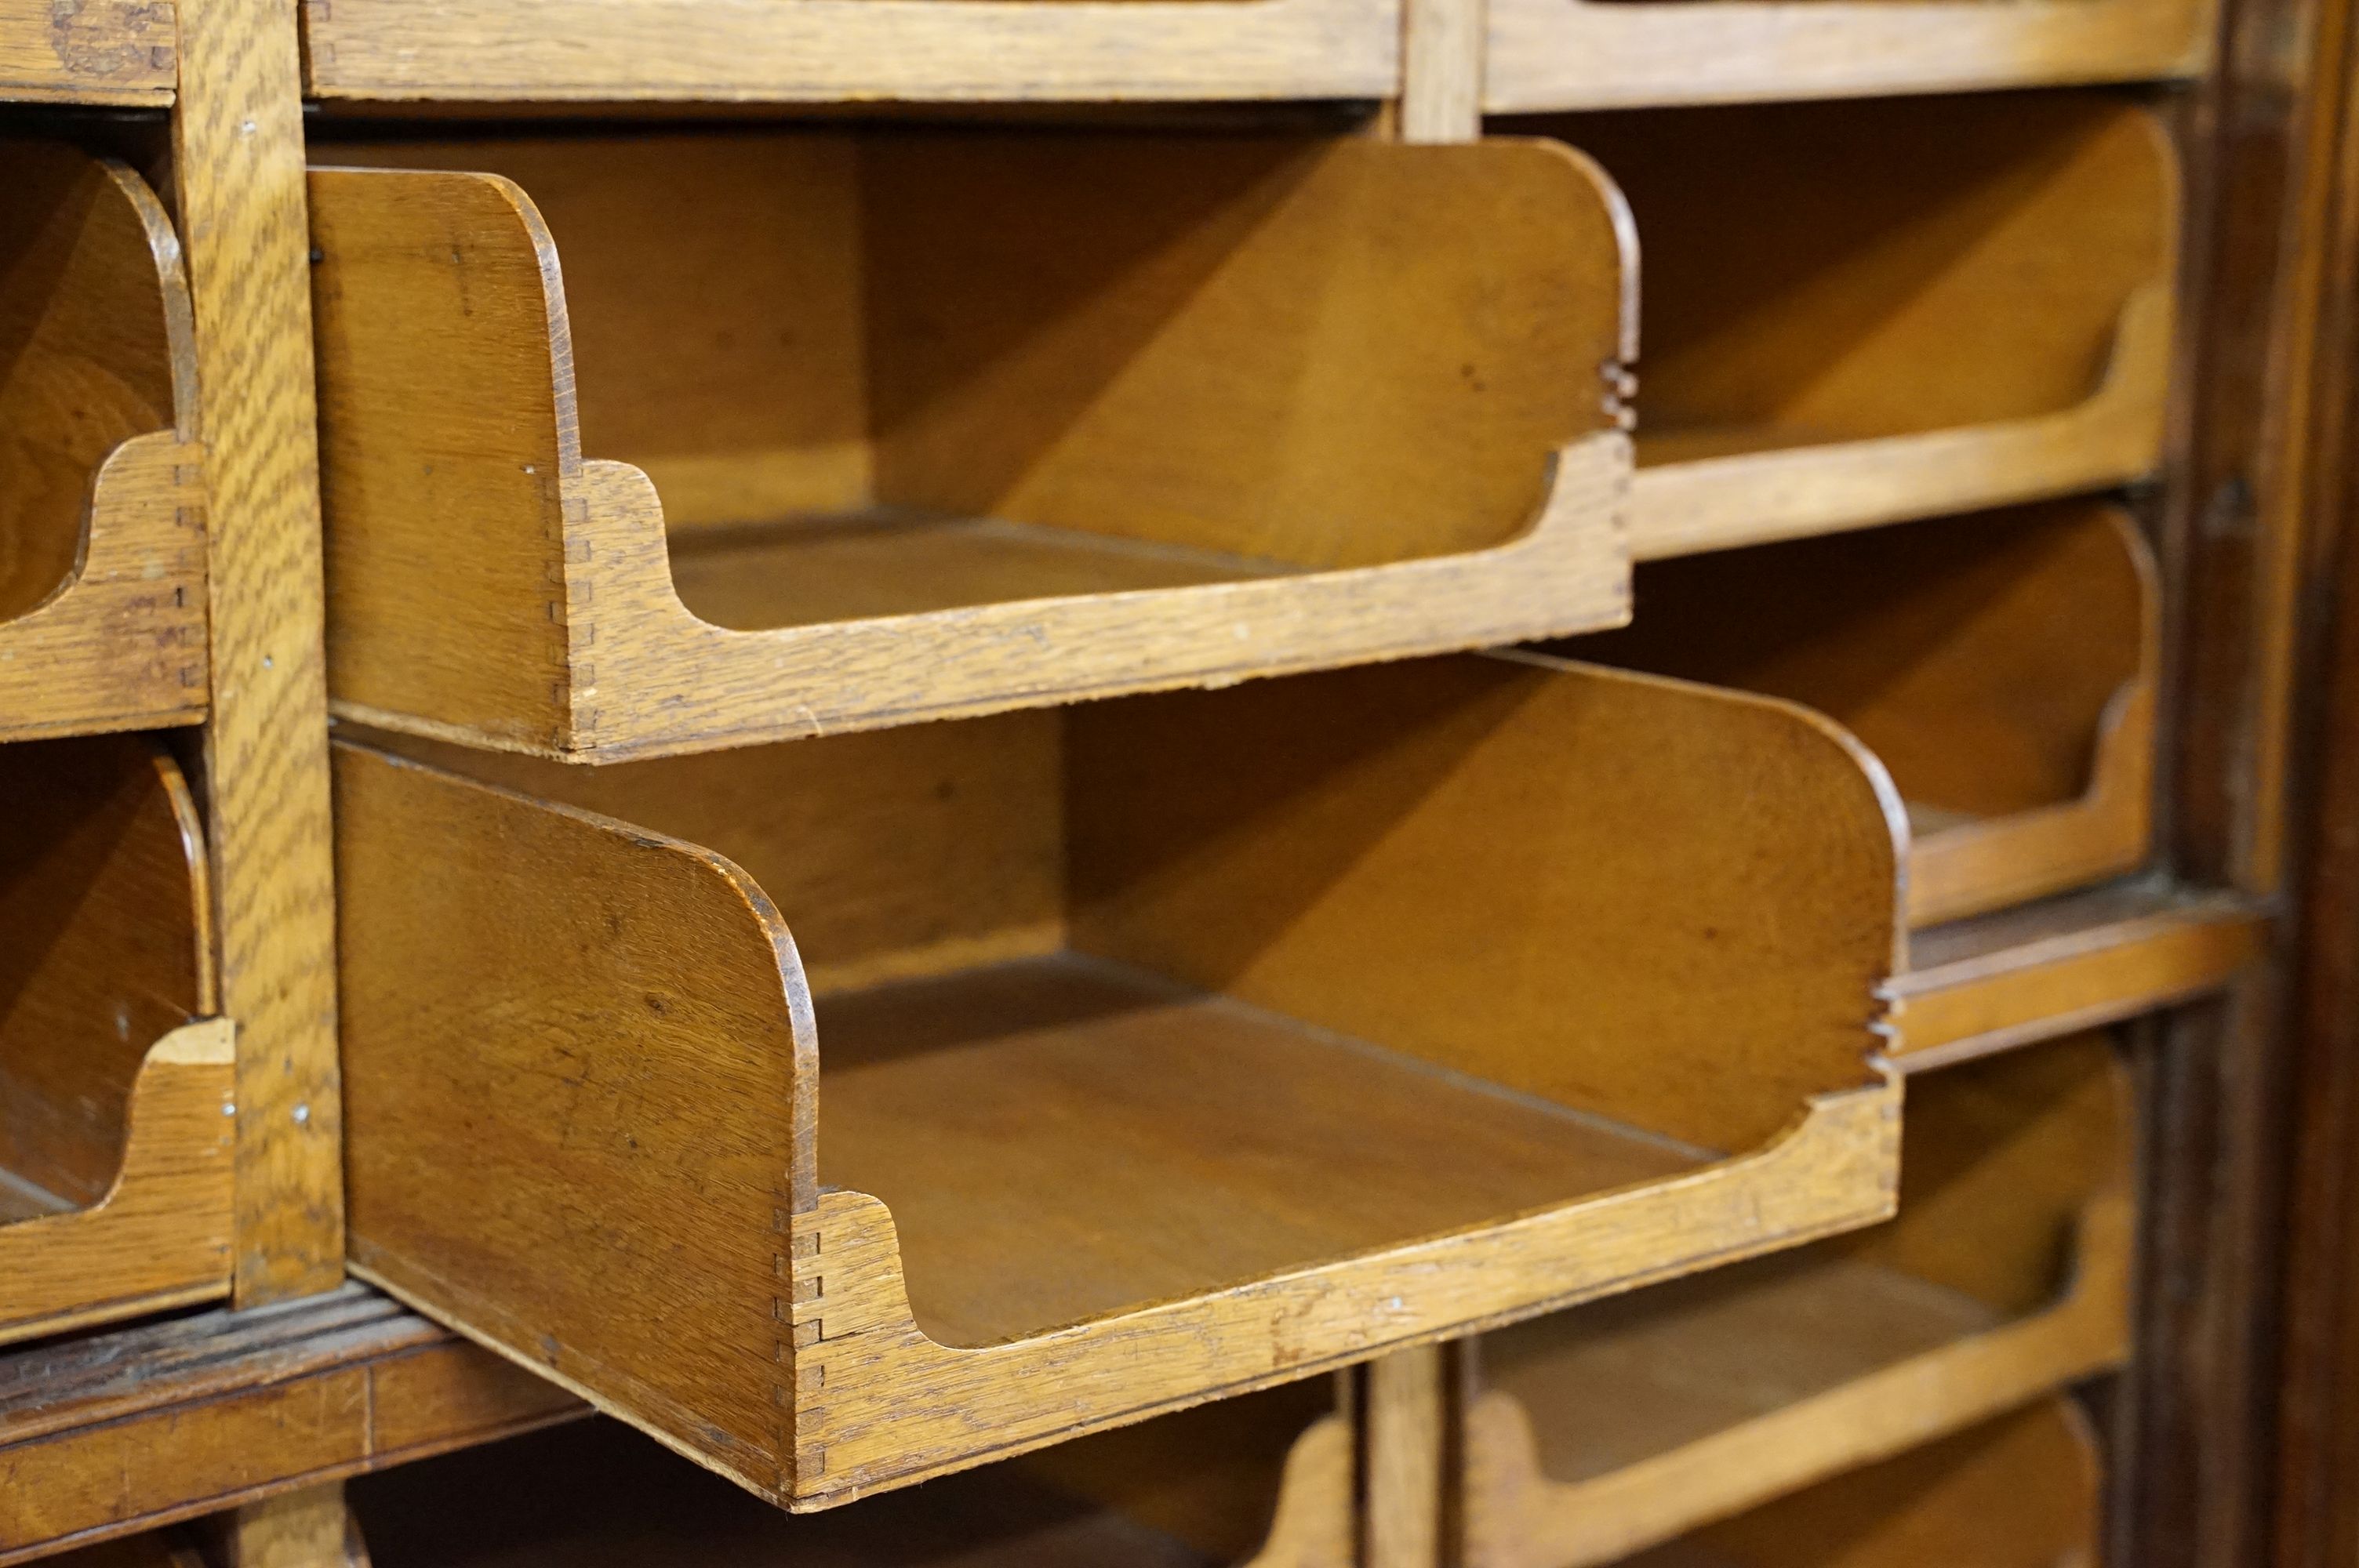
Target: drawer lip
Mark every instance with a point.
(849, 50)
(121, 643)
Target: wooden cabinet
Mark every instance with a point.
(101, 483)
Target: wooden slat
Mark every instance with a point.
(239, 161)
(95, 53)
(106, 1435)
(2070, 963)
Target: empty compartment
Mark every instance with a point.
(91, 51)
(102, 523)
(944, 424)
(1609, 54)
(2019, 1492)
(1119, 1057)
(1623, 1424)
(1858, 313)
(115, 1108)
(2001, 666)
(806, 50)
(1263, 1481)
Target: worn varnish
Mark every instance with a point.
(1162, 1048)
(2003, 665)
(1605, 54)
(114, 1132)
(101, 483)
(120, 53)
(943, 425)
(807, 51)
(1621, 1426)
(113, 1433)
(1264, 1481)
(2021, 1492)
(1942, 304)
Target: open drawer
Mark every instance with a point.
(1262, 1481)
(2001, 666)
(1937, 304)
(819, 50)
(1611, 54)
(943, 424)
(114, 1109)
(101, 530)
(1628, 1423)
(2019, 1492)
(1120, 1056)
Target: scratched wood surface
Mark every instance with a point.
(1619, 1426)
(1302, 902)
(1952, 303)
(106, 1435)
(102, 489)
(117, 53)
(1231, 407)
(804, 50)
(2003, 665)
(1264, 1481)
(1601, 54)
(115, 1145)
(238, 159)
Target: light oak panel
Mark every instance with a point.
(99, 52)
(115, 1143)
(821, 50)
(1942, 304)
(102, 481)
(1264, 1481)
(2003, 665)
(1605, 54)
(1622, 1425)
(921, 425)
(1227, 1082)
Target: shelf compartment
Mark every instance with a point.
(1264, 1481)
(2092, 957)
(101, 491)
(119, 52)
(114, 1129)
(944, 424)
(2021, 1492)
(2003, 666)
(829, 50)
(1163, 1048)
(1625, 1425)
(1943, 304)
(1549, 55)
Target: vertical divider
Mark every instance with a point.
(1442, 70)
(239, 162)
(1402, 1442)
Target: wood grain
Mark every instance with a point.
(2021, 1492)
(2024, 245)
(806, 50)
(101, 508)
(1620, 1427)
(1183, 1244)
(99, 52)
(238, 146)
(109, 1435)
(1200, 383)
(2003, 665)
(1599, 54)
(2076, 962)
(1404, 1421)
